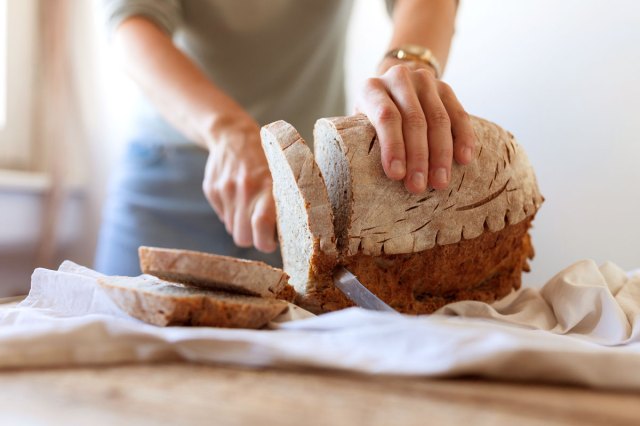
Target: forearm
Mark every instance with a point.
(428, 23)
(175, 85)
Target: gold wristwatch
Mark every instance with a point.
(413, 52)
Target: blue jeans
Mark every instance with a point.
(156, 199)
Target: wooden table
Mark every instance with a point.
(188, 394)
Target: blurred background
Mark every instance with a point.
(562, 75)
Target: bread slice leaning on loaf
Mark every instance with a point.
(162, 303)
(305, 219)
(416, 252)
(216, 272)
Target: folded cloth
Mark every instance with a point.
(582, 327)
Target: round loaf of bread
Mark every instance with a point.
(417, 252)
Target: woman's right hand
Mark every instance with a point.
(237, 183)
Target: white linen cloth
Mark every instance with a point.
(582, 327)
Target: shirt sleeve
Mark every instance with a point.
(167, 14)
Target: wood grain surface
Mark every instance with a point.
(167, 394)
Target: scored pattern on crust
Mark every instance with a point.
(497, 188)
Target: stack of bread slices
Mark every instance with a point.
(184, 287)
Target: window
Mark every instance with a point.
(18, 33)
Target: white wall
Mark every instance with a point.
(564, 77)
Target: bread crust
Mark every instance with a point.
(485, 268)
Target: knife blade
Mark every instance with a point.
(358, 293)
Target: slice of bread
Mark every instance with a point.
(305, 218)
(216, 272)
(162, 303)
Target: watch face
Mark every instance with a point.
(414, 50)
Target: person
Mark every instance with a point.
(211, 72)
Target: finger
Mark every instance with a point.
(438, 130)
(213, 198)
(414, 127)
(209, 190)
(227, 193)
(464, 138)
(263, 222)
(242, 233)
(216, 203)
(385, 117)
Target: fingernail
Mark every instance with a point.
(397, 168)
(440, 175)
(467, 153)
(419, 181)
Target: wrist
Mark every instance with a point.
(233, 122)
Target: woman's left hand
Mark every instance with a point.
(421, 125)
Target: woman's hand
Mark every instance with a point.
(421, 125)
(237, 183)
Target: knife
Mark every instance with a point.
(358, 293)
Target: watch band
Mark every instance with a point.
(413, 52)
